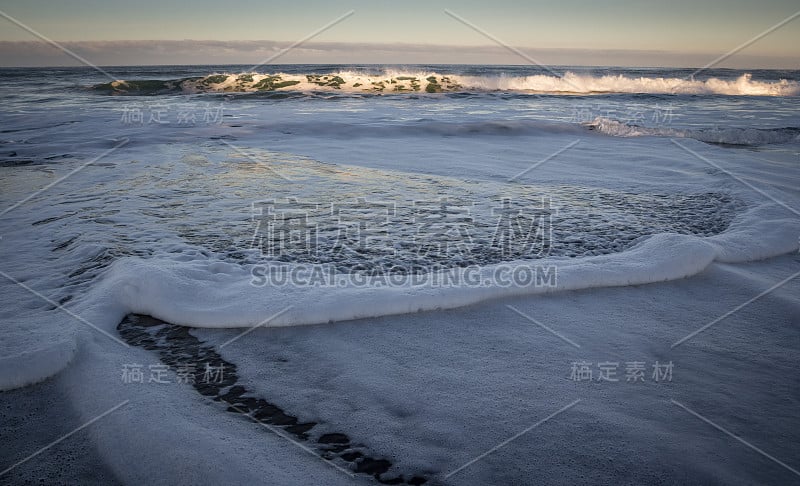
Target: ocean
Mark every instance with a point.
(288, 195)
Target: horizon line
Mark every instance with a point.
(387, 64)
(194, 52)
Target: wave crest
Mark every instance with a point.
(431, 82)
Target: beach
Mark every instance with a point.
(489, 374)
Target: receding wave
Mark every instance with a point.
(721, 136)
(421, 82)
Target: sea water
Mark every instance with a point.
(162, 191)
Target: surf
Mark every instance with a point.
(431, 83)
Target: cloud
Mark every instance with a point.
(158, 52)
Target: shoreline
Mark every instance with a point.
(484, 374)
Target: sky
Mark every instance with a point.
(587, 32)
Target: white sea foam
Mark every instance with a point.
(204, 295)
(37, 356)
(200, 295)
(202, 291)
(579, 83)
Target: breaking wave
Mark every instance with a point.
(717, 135)
(422, 82)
